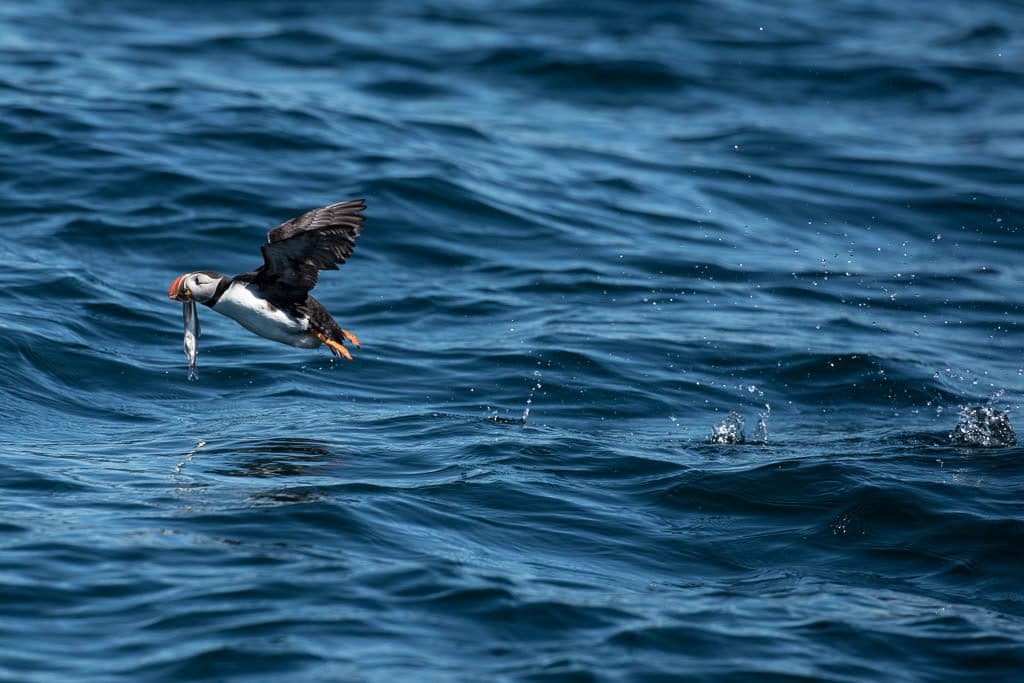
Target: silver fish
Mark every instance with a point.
(192, 331)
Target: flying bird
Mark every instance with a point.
(273, 301)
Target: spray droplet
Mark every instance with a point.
(529, 401)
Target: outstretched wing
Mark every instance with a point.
(298, 249)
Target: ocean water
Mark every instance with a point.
(692, 342)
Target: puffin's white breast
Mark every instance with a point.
(258, 315)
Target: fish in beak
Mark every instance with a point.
(178, 291)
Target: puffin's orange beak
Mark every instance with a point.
(177, 290)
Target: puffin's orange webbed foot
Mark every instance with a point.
(334, 346)
(339, 349)
(351, 338)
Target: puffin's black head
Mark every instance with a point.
(201, 286)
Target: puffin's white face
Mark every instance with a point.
(200, 286)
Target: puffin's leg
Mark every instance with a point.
(351, 338)
(334, 346)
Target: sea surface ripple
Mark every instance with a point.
(670, 312)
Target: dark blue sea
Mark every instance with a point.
(693, 342)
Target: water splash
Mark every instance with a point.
(761, 430)
(493, 415)
(983, 427)
(188, 456)
(529, 401)
(729, 430)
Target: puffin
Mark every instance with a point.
(273, 301)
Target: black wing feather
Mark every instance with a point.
(298, 249)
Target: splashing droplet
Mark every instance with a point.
(529, 401)
(983, 427)
(188, 456)
(761, 430)
(729, 430)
